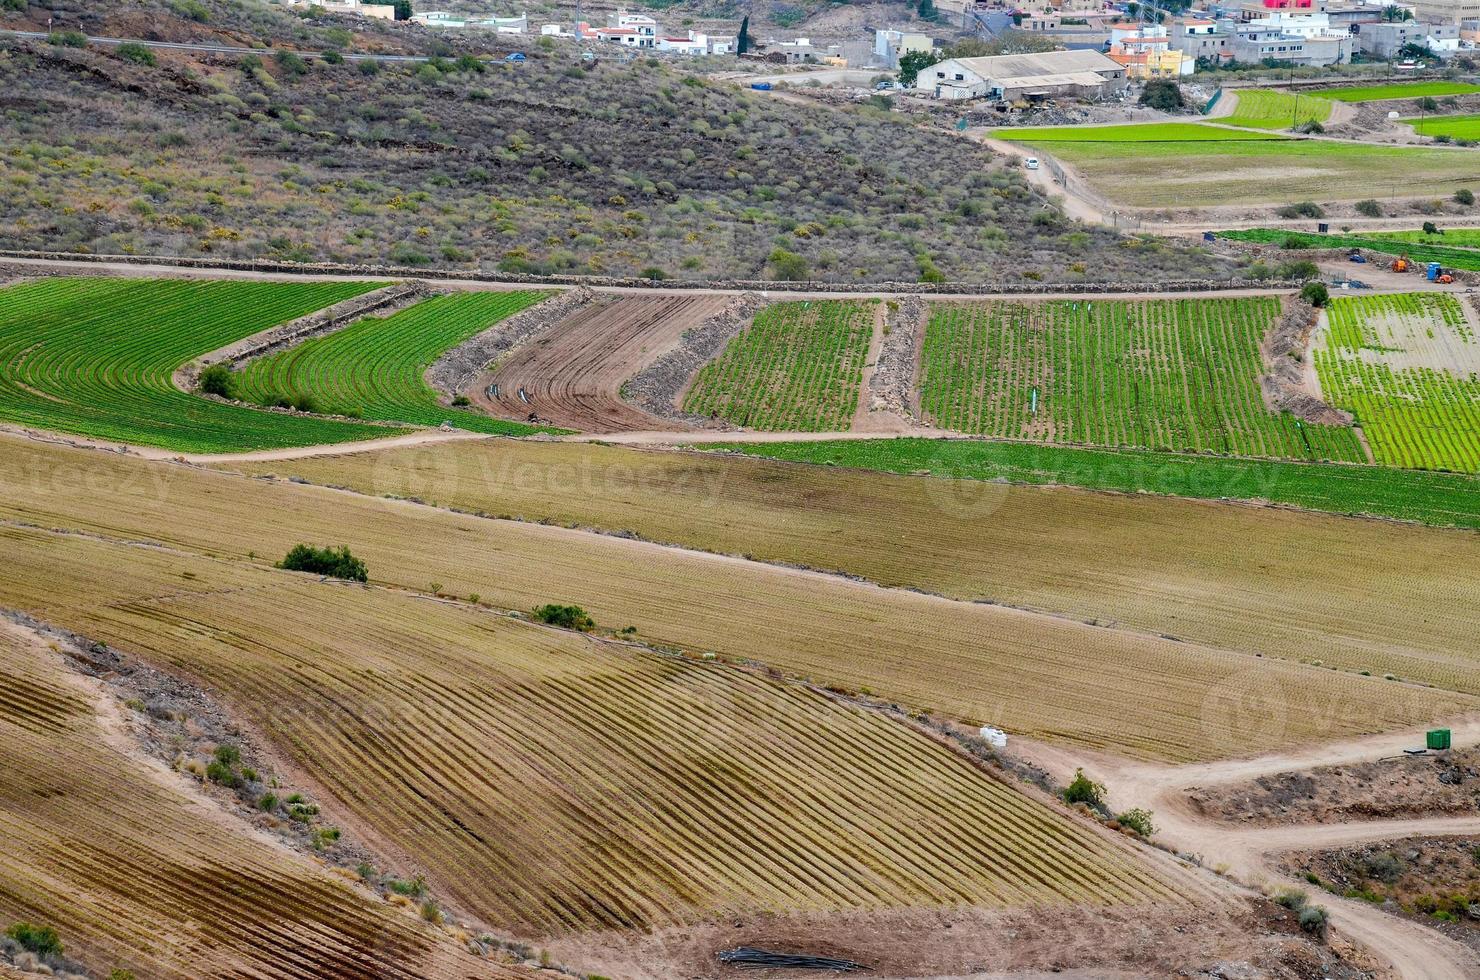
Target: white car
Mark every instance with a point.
(1031, 163)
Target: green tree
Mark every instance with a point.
(911, 63)
(325, 561)
(742, 41)
(1315, 293)
(136, 53)
(926, 10)
(1163, 94)
(787, 266)
(403, 9)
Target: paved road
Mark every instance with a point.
(209, 48)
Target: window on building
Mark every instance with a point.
(960, 77)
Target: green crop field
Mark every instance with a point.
(1453, 256)
(1395, 90)
(93, 357)
(1463, 238)
(1455, 127)
(1269, 109)
(1444, 499)
(1406, 366)
(1131, 133)
(1259, 171)
(797, 368)
(374, 368)
(1177, 375)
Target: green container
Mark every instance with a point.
(1439, 738)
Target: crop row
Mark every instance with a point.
(1179, 375)
(375, 368)
(1380, 363)
(94, 357)
(1270, 109)
(797, 368)
(1454, 257)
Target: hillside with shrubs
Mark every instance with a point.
(546, 166)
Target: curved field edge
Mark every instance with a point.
(1031, 672)
(95, 357)
(561, 783)
(375, 367)
(126, 865)
(1437, 499)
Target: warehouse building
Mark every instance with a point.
(1024, 77)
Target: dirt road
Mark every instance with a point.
(1243, 853)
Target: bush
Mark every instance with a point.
(1464, 196)
(1429, 228)
(1386, 867)
(325, 561)
(136, 53)
(333, 57)
(566, 617)
(1428, 104)
(68, 39)
(787, 266)
(1082, 789)
(291, 64)
(1314, 920)
(1290, 898)
(1138, 820)
(41, 940)
(1303, 269)
(1309, 127)
(461, 401)
(413, 888)
(13, 4)
(222, 774)
(1315, 293)
(228, 755)
(191, 10)
(1369, 208)
(1163, 94)
(1304, 209)
(218, 380)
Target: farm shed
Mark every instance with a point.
(1087, 74)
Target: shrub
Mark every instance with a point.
(1314, 920)
(1310, 126)
(1315, 293)
(136, 53)
(1304, 209)
(1163, 94)
(1138, 820)
(68, 39)
(41, 940)
(119, 973)
(1290, 898)
(787, 266)
(333, 57)
(228, 755)
(1303, 269)
(430, 912)
(13, 4)
(325, 561)
(1429, 228)
(1428, 104)
(191, 10)
(1386, 867)
(1464, 196)
(267, 802)
(566, 617)
(1369, 208)
(218, 379)
(461, 401)
(222, 774)
(1082, 789)
(412, 888)
(291, 64)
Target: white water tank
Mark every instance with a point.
(995, 737)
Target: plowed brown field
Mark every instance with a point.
(573, 374)
(553, 783)
(1092, 684)
(133, 872)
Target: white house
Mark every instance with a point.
(889, 45)
(1011, 77)
(643, 26)
(695, 44)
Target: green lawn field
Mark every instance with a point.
(94, 356)
(374, 368)
(1212, 172)
(1455, 127)
(1132, 133)
(1395, 90)
(1431, 498)
(1268, 109)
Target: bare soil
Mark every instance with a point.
(573, 374)
(1446, 783)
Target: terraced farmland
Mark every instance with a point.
(797, 368)
(135, 874)
(375, 368)
(1456, 251)
(1407, 366)
(1270, 109)
(1463, 127)
(958, 658)
(558, 783)
(1396, 90)
(573, 374)
(1161, 374)
(93, 357)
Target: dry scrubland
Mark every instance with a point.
(1036, 674)
(137, 873)
(557, 783)
(541, 167)
(1382, 597)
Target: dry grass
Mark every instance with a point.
(555, 783)
(133, 873)
(1366, 595)
(1035, 674)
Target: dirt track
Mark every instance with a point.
(1243, 853)
(572, 376)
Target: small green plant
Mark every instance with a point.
(1304, 209)
(1082, 789)
(68, 39)
(1464, 196)
(136, 53)
(119, 973)
(41, 940)
(267, 802)
(1315, 920)
(219, 380)
(325, 561)
(461, 401)
(365, 870)
(565, 617)
(412, 888)
(430, 912)
(1290, 898)
(1369, 208)
(1138, 820)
